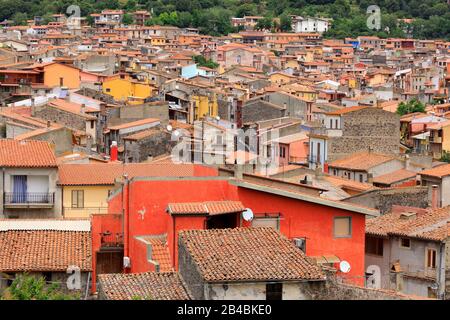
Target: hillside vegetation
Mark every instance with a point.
(431, 17)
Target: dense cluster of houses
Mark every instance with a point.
(277, 169)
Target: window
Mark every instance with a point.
(92, 124)
(108, 89)
(431, 258)
(342, 227)
(77, 199)
(336, 123)
(61, 82)
(360, 177)
(405, 243)
(274, 291)
(282, 152)
(374, 246)
(273, 222)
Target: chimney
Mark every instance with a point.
(83, 108)
(370, 178)
(114, 151)
(238, 171)
(434, 197)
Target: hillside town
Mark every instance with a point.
(158, 163)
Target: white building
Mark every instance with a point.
(309, 24)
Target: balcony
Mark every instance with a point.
(36, 200)
(312, 159)
(111, 241)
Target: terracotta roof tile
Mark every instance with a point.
(160, 251)
(106, 173)
(206, 208)
(361, 161)
(44, 250)
(422, 224)
(439, 171)
(148, 285)
(395, 176)
(247, 254)
(26, 154)
(345, 110)
(133, 124)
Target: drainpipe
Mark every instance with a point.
(3, 195)
(439, 274)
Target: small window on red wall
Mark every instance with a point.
(342, 227)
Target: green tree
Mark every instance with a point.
(265, 23)
(20, 18)
(285, 23)
(127, 19)
(202, 62)
(411, 106)
(27, 287)
(445, 157)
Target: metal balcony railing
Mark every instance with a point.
(111, 239)
(28, 198)
(312, 159)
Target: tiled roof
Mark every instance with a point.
(345, 110)
(148, 285)
(206, 208)
(429, 225)
(361, 161)
(160, 251)
(106, 173)
(247, 254)
(439, 171)
(44, 250)
(395, 176)
(133, 124)
(26, 154)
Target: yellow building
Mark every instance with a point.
(281, 78)
(83, 200)
(87, 187)
(123, 88)
(60, 75)
(205, 105)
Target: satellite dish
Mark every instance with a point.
(247, 214)
(344, 266)
(218, 118)
(169, 127)
(176, 133)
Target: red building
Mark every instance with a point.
(156, 209)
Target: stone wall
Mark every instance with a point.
(155, 145)
(371, 128)
(190, 274)
(260, 110)
(331, 290)
(152, 110)
(68, 119)
(384, 199)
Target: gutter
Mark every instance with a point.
(307, 198)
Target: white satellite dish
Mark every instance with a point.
(218, 118)
(169, 127)
(247, 214)
(344, 266)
